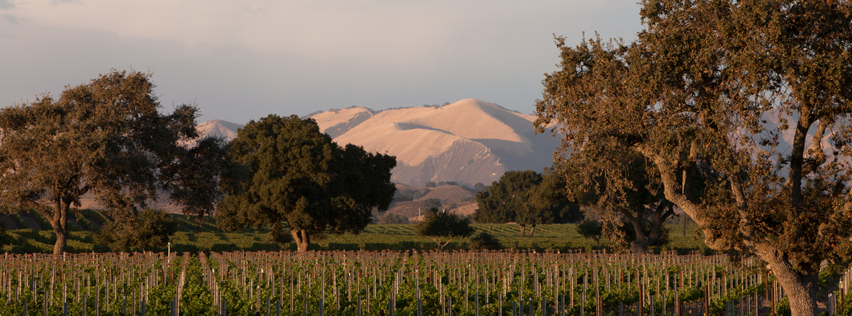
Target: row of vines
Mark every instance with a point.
(387, 283)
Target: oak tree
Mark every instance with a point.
(633, 210)
(527, 198)
(591, 229)
(106, 138)
(442, 227)
(299, 176)
(144, 230)
(742, 107)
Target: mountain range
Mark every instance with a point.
(468, 142)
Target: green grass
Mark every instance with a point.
(375, 237)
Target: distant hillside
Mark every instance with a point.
(453, 198)
(219, 128)
(468, 141)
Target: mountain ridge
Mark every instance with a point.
(469, 141)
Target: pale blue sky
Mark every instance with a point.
(241, 60)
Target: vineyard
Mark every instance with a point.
(389, 283)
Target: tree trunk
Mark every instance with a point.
(532, 230)
(523, 233)
(800, 286)
(639, 246)
(302, 238)
(59, 222)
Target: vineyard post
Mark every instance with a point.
(677, 303)
(465, 295)
(641, 296)
(598, 300)
(499, 303)
(772, 298)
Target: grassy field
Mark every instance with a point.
(375, 237)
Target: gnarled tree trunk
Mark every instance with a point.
(302, 238)
(59, 221)
(800, 286)
(532, 230)
(523, 232)
(640, 245)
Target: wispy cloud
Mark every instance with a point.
(306, 54)
(10, 18)
(55, 2)
(7, 4)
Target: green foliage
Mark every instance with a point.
(149, 229)
(196, 298)
(528, 198)
(635, 201)
(194, 185)
(485, 241)
(703, 94)
(279, 235)
(298, 175)
(106, 138)
(430, 184)
(441, 226)
(591, 229)
(505, 198)
(548, 202)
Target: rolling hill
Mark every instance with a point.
(469, 141)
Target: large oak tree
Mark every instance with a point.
(631, 204)
(707, 93)
(298, 175)
(527, 198)
(106, 138)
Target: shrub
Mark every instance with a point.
(143, 231)
(485, 241)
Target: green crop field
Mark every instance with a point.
(402, 283)
(375, 237)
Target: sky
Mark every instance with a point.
(242, 60)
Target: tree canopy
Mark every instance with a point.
(442, 227)
(708, 93)
(634, 210)
(298, 175)
(146, 230)
(106, 138)
(591, 229)
(527, 198)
